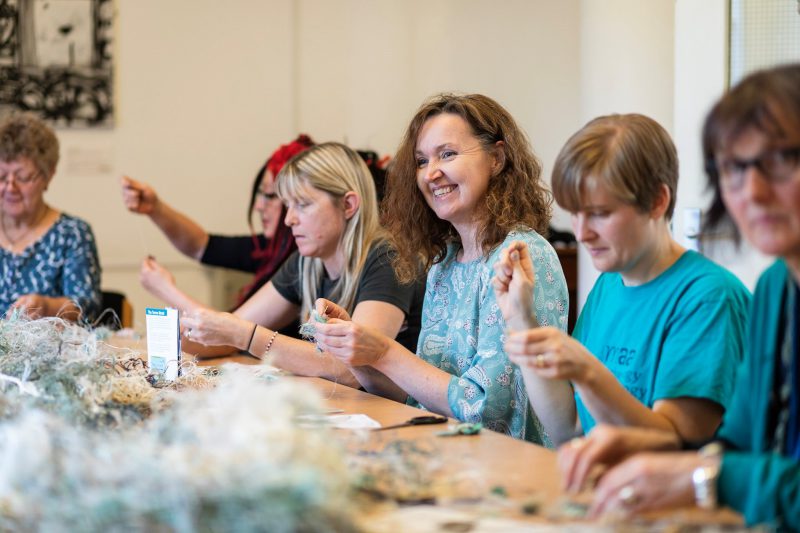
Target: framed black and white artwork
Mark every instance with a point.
(56, 60)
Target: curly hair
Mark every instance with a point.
(631, 155)
(767, 100)
(26, 135)
(516, 198)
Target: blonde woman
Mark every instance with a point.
(341, 255)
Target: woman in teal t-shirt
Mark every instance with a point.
(662, 331)
(751, 141)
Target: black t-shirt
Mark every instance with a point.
(377, 283)
(234, 252)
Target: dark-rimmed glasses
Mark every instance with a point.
(776, 165)
(266, 196)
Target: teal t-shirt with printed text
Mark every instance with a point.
(681, 334)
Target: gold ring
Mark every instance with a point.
(540, 361)
(628, 496)
(577, 443)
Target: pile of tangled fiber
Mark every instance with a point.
(88, 444)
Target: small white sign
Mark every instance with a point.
(163, 342)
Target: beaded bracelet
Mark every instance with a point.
(269, 344)
(252, 336)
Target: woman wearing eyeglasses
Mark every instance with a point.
(261, 254)
(48, 259)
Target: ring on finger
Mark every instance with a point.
(577, 443)
(188, 333)
(540, 361)
(628, 496)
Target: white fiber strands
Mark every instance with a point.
(88, 444)
(231, 458)
(63, 368)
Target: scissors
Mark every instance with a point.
(417, 421)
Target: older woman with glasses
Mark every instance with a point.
(48, 259)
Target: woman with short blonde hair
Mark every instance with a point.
(660, 336)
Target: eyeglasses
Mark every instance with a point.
(266, 196)
(776, 165)
(20, 179)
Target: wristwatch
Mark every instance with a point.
(704, 478)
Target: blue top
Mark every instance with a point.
(755, 478)
(463, 334)
(63, 262)
(679, 335)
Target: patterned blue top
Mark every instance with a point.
(63, 262)
(463, 334)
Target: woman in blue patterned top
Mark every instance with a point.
(464, 184)
(48, 259)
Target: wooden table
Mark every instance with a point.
(484, 463)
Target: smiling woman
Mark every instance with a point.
(48, 259)
(464, 184)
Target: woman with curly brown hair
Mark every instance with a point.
(463, 186)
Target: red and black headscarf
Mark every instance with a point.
(281, 245)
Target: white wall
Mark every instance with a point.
(202, 93)
(626, 67)
(364, 67)
(701, 77)
(205, 90)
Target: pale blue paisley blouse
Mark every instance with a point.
(463, 333)
(63, 262)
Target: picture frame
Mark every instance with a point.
(56, 60)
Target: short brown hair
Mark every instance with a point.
(768, 100)
(515, 198)
(26, 135)
(630, 154)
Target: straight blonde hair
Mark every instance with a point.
(335, 169)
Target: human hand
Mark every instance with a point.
(605, 446)
(155, 278)
(328, 309)
(551, 353)
(138, 197)
(646, 482)
(351, 342)
(213, 328)
(514, 281)
(33, 305)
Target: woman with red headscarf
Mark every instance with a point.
(261, 254)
